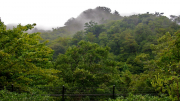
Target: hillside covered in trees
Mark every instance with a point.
(139, 54)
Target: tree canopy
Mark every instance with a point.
(139, 54)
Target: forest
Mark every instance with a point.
(138, 54)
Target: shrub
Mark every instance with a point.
(132, 97)
(6, 95)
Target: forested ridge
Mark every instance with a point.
(137, 53)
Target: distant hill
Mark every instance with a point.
(96, 15)
(99, 14)
(10, 26)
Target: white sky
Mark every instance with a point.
(54, 13)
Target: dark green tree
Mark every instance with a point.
(94, 28)
(87, 65)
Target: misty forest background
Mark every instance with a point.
(140, 52)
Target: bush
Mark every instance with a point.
(132, 97)
(5, 95)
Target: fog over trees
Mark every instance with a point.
(139, 54)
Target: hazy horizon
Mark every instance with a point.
(52, 14)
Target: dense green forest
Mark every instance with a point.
(139, 54)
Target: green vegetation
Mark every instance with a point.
(12, 96)
(132, 97)
(139, 54)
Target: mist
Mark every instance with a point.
(40, 27)
(34, 30)
(99, 15)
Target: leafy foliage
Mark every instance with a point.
(139, 54)
(12, 96)
(132, 97)
(24, 60)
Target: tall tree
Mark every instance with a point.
(94, 28)
(86, 65)
(23, 59)
(165, 67)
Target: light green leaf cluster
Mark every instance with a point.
(22, 56)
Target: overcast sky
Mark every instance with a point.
(54, 13)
